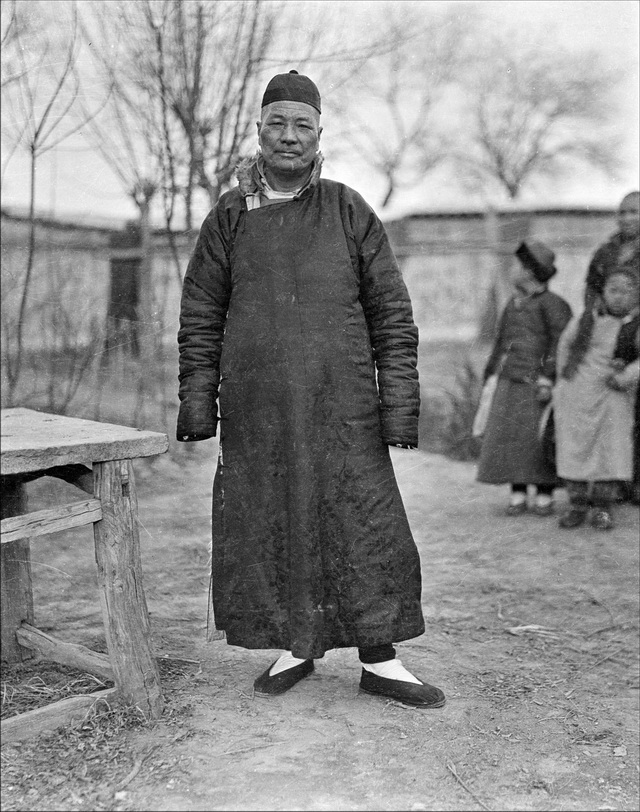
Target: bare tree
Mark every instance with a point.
(202, 65)
(42, 109)
(394, 107)
(8, 32)
(534, 109)
(213, 92)
(193, 64)
(182, 75)
(129, 144)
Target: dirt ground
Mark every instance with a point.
(532, 632)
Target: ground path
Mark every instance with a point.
(532, 632)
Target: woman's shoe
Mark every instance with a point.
(516, 510)
(267, 685)
(572, 518)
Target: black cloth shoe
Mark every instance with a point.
(572, 518)
(279, 683)
(409, 693)
(516, 510)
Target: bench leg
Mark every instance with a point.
(124, 607)
(15, 567)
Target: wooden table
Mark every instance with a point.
(96, 458)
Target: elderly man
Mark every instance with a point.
(295, 317)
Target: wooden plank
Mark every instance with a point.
(15, 570)
(51, 520)
(57, 651)
(47, 719)
(33, 441)
(124, 607)
(79, 475)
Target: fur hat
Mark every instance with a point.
(537, 258)
(292, 86)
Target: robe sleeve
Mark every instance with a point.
(203, 311)
(491, 367)
(393, 333)
(595, 276)
(628, 377)
(564, 342)
(557, 314)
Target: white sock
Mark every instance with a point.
(543, 500)
(283, 663)
(391, 669)
(517, 498)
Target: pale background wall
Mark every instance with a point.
(449, 261)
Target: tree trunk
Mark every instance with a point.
(148, 331)
(16, 366)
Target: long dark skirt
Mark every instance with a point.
(511, 449)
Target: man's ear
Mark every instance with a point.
(258, 125)
(319, 132)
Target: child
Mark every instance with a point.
(594, 403)
(523, 358)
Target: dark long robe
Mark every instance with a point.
(297, 316)
(524, 350)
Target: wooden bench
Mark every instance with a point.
(96, 458)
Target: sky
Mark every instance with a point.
(76, 182)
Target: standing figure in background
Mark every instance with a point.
(295, 313)
(620, 252)
(594, 402)
(524, 359)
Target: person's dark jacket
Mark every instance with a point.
(618, 252)
(207, 292)
(528, 333)
(626, 349)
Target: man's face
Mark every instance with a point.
(629, 215)
(289, 136)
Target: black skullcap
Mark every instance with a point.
(538, 258)
(292, 86)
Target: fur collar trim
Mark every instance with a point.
(250, 171)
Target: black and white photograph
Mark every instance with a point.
(320, 422)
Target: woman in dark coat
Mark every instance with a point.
(523, 357)
(295, 314)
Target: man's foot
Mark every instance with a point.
(602, 520)
(420, 694)
(572, 518)
(543, 505)
(268, 685)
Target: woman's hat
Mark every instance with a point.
(292, 86)
(537, 258)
